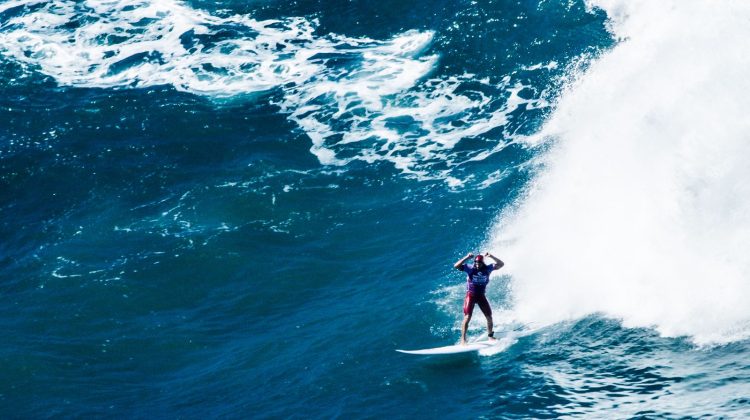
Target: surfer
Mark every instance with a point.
(477, 277)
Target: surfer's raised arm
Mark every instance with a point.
(461, 262)
(498, 263)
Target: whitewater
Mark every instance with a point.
(356, 98)
(641, 209)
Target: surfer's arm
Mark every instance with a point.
(498, 263)
(461, 262)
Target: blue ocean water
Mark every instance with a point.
(241, 209)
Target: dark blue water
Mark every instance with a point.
(204, 227)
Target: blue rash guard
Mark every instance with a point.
(476, 280)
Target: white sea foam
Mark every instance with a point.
(641, 208)
(356, 98)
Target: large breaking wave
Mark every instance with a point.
(641, 209)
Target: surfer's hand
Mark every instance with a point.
(469, 255)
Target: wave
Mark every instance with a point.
(356, 98)
(641, 207)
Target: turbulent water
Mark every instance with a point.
(241, 209)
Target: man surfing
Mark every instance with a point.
(477, 277)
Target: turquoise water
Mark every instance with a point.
(233, 209)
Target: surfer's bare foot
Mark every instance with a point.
(491, 336)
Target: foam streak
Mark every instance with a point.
(356, 98)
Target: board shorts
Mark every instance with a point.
(479, 299)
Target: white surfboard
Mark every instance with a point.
(458, 348)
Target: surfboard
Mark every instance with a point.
(455, 349)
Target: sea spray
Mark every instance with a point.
(641, 208)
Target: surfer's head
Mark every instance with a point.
(479, 261)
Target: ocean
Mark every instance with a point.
(241, 209)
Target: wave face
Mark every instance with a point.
(641, 209)
(356, 98)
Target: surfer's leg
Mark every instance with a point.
(468, 309)
(484, 305)
(464, 327)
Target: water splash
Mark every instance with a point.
(641, 208)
